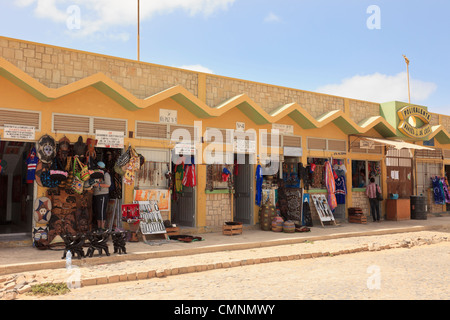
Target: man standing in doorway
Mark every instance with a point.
(101, 196)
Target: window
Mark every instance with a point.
(316, 169)
(363, 170)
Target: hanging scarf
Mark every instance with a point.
(259, 182)
(331, 186)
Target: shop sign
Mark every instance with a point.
(244, 146)
(408, 118)
(283, 128)
(109, 139)
(16, 132)
(240, 126)
(168, 116)
(186, 149)
(292, 151)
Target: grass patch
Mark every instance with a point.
(49, 289)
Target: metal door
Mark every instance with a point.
(425, 171)
(243, 193)
(185, 211)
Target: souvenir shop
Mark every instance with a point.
(81, 183)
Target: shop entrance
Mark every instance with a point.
(184, 193)
(243, 189)
(16, 195)
(447, 175)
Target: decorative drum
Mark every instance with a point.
(266, 215)
(277, 224)
(289, 226)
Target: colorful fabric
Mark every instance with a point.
(331, 185)
(189, 179)
(179, 172)
(446, 192)
(259, 182)
(341, 190)
(32, 162)
(438, 194)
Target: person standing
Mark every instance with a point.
(371, 193)
(101, 196)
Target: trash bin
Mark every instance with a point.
(418, 207)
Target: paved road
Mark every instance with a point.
(419, 273)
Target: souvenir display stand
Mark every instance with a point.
(323, 209)
(151, 224)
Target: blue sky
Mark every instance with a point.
(351, 48)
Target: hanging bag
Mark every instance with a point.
(47, 180)
(379, 195)
(83, 172)
(124, 158)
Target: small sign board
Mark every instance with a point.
(17, 132)
(109, 139)
(168, 116)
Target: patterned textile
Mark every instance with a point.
(439, 197)
(341, 190)
(446, 192)
(293, 204)
(331, 185)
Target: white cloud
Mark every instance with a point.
(272, 17)
(198, 68)
(381, 88)
(101, 15)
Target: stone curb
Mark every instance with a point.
(26, 267)
(162, 273)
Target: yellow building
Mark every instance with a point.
(64, 92)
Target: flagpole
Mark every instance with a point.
(407, 72)
(138, 31)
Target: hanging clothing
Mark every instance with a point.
(341, 189)
(438, 193)
(32, 162)
(331, 185)
(179, 172)
(189, 179)
(259, 182)
(446, 192)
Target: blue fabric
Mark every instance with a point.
(259, 182)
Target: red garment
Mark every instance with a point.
(189, 179)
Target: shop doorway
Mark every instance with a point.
(243, 189)
(16, 195)
(183, 196)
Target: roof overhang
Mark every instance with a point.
(397, 144)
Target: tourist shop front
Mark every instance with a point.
(208, 149)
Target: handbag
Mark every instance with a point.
(83, 172)
(124, 158)
(379, 195)
(77, 185)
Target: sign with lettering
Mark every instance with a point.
(408, 122)
(283, 128)
(168, 116)
(16, 132)
(109, 139)
(240, 126)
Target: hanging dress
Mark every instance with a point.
(331, 185)
(341, 190)
(259, 182)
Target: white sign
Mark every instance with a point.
(16, 132)
(185, 149)
(168, 116)
(283, 128)
(292, 151)
(244, 146)
(364, 144)
(109, 139)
